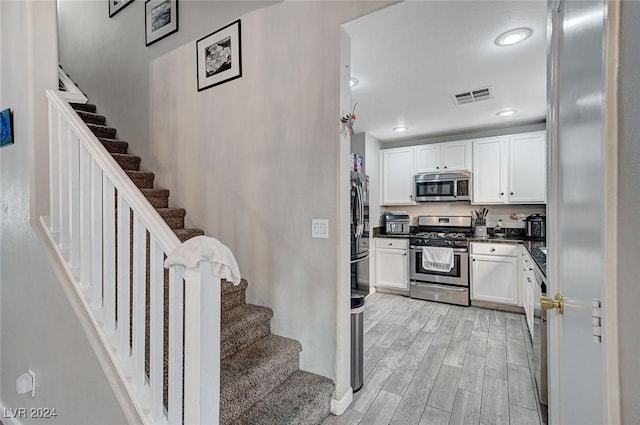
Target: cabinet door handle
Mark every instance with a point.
(474, 259)
(501, 193)
(445, 167)
(493, 250)
(390, 243)
(511, 193)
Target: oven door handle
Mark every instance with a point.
(444, 287)
(419, 248)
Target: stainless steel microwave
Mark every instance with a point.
(443, 187)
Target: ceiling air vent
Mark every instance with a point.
(471, 96)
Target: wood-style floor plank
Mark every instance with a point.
(433, 416)
(402, 375)
(413, 402)
(445, 388)
(472, 377)
(382, 409)
(466, 409)
(495, 402)
(521, 387)
(522, 416)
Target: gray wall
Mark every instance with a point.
(39, 329)
(260, 158)
(628, 208)
(108, 60)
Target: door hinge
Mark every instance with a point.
(596, 320)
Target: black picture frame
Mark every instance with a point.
(6, 128)
(219, 56)
(160, 20)
(116, 6)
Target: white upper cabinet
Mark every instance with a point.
(488, 176)
(397, 171)
(456, 156)
(510, 169)
(428, 158)
(443, 157)
(528, 168)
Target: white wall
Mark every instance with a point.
(109, 61)
(38, 327)
(258, 158)
(628, 207)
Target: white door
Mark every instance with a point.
(428, 158)
(576, 214)
(456, 156)
(528, 168)
(397, 173)
(488, 172)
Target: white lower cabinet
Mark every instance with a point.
(392, 264)
(494, 273)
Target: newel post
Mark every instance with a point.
(203, 262)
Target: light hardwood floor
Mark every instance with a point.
(429, 363)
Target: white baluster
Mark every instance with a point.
(54, 172)
(176, 353)
(124, 276)
(85, 217)
(74, 203)
(109, 253)
(139, 300)
(96, 234)
(157, 327)
(63, 169)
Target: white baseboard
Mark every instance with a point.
(338, 407)
(9, 417)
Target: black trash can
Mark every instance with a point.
(357, 346)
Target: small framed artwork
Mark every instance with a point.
(160, 19)
(6, 127)
(219, 56)
(116, 6)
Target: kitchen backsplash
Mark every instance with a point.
(496, 212)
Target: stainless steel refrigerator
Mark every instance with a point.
(359, 228)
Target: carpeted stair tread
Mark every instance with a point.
(174, 217)
(114, 146)
(102, 131)
(243, 325)
(91, 118)
(127, 162)
(87, 107)
(232, 295)
(158, 198)
(303, 399)
(250, 374)
(142, 179)
(186, 234)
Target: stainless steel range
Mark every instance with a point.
(448, 232)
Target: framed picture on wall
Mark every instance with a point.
(6, 127)
(116, 6)
(160, 19)
(219, 56)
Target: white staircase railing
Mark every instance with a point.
(113, 244)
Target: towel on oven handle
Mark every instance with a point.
(437, 259)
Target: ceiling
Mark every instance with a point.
(410, 57)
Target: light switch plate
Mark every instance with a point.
(320, 228)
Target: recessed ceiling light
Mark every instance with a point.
(506, 112)
(353, 82)
(400, 129)
(514, 36)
